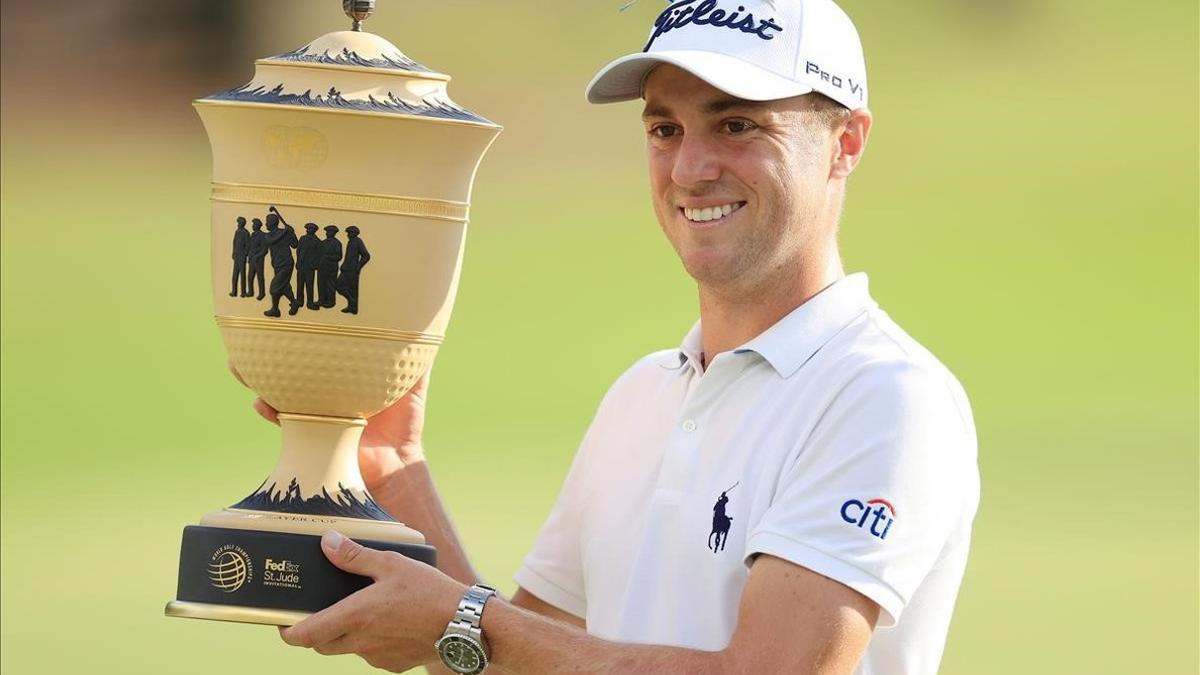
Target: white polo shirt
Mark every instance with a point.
(832, 440)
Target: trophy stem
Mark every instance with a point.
(319, 453)
(317, 473)
(316, 486)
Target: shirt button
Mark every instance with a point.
(689, 426)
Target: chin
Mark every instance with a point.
(708, 267)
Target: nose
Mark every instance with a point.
(696, 163)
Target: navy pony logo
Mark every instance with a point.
(721, 522)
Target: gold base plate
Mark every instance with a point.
(260, 615)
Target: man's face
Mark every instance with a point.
(738, 186)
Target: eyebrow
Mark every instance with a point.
(713, 107)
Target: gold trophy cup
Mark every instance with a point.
(341, 183)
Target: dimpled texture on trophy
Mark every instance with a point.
(342, 177)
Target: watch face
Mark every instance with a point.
(461, 654)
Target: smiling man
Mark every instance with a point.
(789, 491)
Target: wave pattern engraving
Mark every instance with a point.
(347, 503)
(334, 99)
(347, 57)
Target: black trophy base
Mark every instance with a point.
(273, 578)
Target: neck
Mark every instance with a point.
(729, 320)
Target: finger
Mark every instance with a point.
(335, 621)
(238, 376)
(268, 413)
(351, 556)
(421, 388)
(339, 645)
(328, 624)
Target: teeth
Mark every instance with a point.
(711, 212)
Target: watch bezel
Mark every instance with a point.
(475, 646)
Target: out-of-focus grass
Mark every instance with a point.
(1030, 222)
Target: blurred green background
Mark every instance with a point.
(1027, 209)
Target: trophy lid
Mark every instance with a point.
(354, 71)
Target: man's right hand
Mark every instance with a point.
(392, 440)
(390, 443)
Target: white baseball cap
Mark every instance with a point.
(759, 50)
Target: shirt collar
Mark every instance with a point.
(789, 343)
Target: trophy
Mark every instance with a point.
(341, 183)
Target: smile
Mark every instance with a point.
(709, 213)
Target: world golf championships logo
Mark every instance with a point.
(229, 568)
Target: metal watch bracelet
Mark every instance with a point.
(470, 608)
(465, 632)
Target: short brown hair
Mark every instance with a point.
(830, 113)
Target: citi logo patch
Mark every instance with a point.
(875, 515)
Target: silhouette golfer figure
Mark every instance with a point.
(356, 259)
(721, 522)
(327, 268)
(281, 241)
(241, 256)
(258, 259)
(308, 257)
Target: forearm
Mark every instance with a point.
(526, 643)
(410, 494)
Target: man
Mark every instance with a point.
(356, 259)
(241, 254)
(327, 268)
(258, 257)
(308, 257)
(281, 241)
(851, 446)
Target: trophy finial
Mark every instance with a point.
(358, 10)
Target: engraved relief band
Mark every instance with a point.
(342, 201)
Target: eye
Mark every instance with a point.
(664, 130)
(738, 126)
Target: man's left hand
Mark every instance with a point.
(393, 623)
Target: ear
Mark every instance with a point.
(851, 143)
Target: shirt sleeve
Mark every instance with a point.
(885, 480)
(553, 569)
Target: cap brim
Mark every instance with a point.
(622, 80)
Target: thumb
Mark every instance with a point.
(351, 556)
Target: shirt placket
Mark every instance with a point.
(681, 463)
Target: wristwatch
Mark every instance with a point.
(462, 647)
